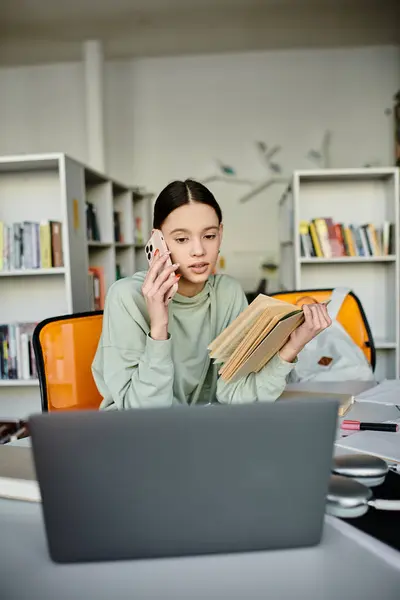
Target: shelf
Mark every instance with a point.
(57, 187)
(29, 162)
(19, 382)
(384, 345)
(119, 188)
(353, 199)
(93, 244)
(362, 174)
(31, 272)
(123, 245)
(348, 259)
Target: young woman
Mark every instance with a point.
(153, 350)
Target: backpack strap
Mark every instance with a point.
(337, 298)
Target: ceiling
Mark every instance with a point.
(49, 30)
(40, 11)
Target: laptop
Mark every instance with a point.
(182, 481)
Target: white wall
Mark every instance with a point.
(42, 109)
(171, 117)
(180, 113)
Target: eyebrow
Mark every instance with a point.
(181, 230)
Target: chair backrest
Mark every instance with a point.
(64, 350)
(351, 316)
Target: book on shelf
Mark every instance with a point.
(118, 237)
(17, 358)
(31, 245)
(324, 238)
(92, 223)
(139, 239)
(120, 272)
(96, 288)
(255, 336)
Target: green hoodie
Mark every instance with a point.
(131, 370)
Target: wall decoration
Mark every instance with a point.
(226, 173)
(321, 156)
(274, 169)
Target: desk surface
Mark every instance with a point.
(347, 564)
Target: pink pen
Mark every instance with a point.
(360, 426)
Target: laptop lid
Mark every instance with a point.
(183, 480)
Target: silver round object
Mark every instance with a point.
(367, 469)
(347, 497)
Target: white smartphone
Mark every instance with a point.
(157, 242)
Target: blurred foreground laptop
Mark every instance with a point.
(183, 480)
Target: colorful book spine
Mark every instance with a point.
(324, 238)
(31, 245)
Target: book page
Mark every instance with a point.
(269, 332)
(267, 349)
(238, 338)
(237, 347)
(238, 328)
(246, 348)
(258, 327)
(248, 325)
(261, 329)
(287, 329)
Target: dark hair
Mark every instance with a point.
(179, 193)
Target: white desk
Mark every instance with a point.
(359, 411)
(348, 565)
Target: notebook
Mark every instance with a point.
(387, 392)
(378, 443)
(255, 336)
(17, 474)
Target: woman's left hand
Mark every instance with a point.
(316, 320)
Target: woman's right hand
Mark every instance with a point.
(157, 290)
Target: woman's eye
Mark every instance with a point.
(211, 236)
(180, 240)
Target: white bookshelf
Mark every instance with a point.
(356, 196)
(56, 187)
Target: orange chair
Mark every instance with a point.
(64, 349)
(351, 316)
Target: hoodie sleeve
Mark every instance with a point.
(130, 369)
(266, 385)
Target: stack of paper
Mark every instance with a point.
(378, 443)
(387, 392)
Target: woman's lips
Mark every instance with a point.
(199, 268)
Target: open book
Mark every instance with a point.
(255, 336)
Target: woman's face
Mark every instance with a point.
(193, 236)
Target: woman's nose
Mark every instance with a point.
(197, 248)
